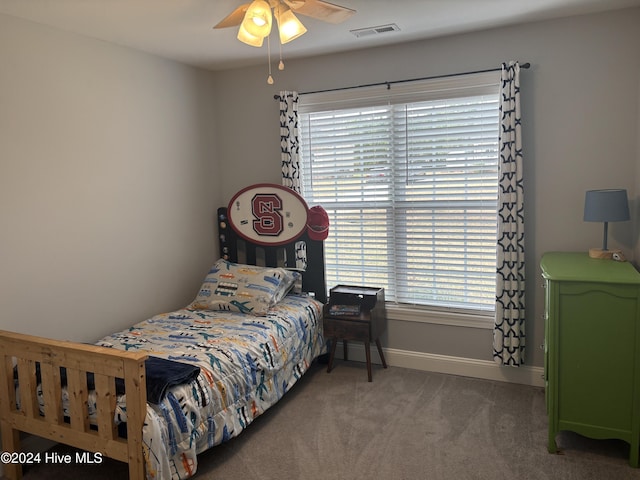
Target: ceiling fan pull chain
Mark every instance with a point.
(269, 78)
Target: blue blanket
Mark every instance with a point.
(163, 373)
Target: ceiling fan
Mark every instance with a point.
(318, 9)
(255, 20)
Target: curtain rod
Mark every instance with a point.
(388, 84)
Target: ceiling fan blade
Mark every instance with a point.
(234, 18)
(321, 10)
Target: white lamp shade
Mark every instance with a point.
(257, 20)
(289, 26)
(246, 37)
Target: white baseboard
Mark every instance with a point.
(466, 367)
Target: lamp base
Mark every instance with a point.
(606, 254)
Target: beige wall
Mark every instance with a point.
(580, 108)
(108, 183)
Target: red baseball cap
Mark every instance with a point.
(317, 223)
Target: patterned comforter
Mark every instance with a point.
(247, 364)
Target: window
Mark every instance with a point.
(408, 176)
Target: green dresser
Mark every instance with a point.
(592, 348)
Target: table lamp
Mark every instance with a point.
(610, 205)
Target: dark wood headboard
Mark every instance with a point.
(238, 250)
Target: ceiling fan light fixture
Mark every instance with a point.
(245, 37)
(257, 20)
(289, 27)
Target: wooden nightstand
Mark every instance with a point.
(355, 313)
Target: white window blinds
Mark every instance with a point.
(408, 176)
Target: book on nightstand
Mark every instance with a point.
(337, 310)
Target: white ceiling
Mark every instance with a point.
(181, 30)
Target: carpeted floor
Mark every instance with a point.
(406, 424)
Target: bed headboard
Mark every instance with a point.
(301, 253)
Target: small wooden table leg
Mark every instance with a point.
(345, 349)
(384, 363)
(334, 341)
(368, 353)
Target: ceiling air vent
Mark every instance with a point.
(368, 31)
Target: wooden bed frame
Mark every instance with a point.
(26, 354)
(50, 356)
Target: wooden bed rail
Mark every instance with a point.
(27, 353)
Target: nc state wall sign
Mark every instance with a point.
(268, 214)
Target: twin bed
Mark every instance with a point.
(170, 387)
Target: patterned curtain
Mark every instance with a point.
(508, 333)
(290, 140)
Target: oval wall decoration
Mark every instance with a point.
(268, 214)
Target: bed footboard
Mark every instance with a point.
(28, 354)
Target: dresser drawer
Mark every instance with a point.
(346, 329)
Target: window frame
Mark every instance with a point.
(484, 83)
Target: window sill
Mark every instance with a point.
(441, 317)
